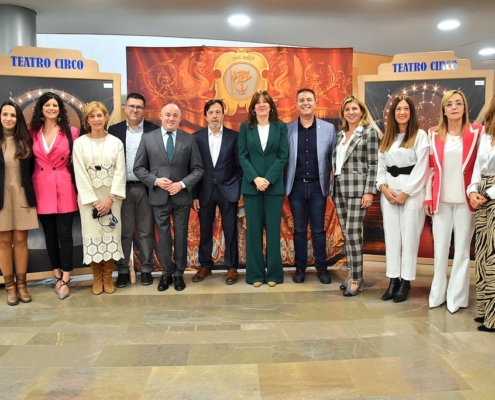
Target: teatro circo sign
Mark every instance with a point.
(46, 62)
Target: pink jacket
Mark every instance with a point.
(52, 181)
(470, 138)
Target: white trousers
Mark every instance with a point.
(456, 216)
(402, 227)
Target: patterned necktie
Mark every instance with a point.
(170, 146)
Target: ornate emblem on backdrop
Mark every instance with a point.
(189, 76)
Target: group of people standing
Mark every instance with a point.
(135, 174)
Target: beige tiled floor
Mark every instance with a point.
(214, 341)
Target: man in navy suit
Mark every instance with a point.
(220, 186)
(136, 210)
(307, 183)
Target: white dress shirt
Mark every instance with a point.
(215, 142)
(132, 140)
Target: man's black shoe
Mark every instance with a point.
(164, 283)
(179, 283)
(299, 276)
(146, 278)
(324, 276)
(122, 280)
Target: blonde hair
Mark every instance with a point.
(90, 107)
(490, 119)
(364, 121)
(443, 123)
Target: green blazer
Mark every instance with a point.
(268, 164)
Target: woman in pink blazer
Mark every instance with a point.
(53, 182)
(453, 149)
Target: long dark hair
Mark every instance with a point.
(393, 127)
(38, 119)
(252, 121)
(22, 138)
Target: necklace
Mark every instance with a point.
(98, 166)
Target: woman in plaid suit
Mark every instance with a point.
(355, 162)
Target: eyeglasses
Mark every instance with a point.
(458, 104)
(134, 108)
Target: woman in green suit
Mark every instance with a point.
(263, 153)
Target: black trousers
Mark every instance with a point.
(58, 238)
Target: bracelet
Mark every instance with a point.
(383, 184)
(112, 198)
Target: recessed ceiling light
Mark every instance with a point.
(239, 20)
(487, 51)
(448, 24)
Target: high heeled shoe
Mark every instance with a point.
(61, 295)
(393, 288)
(349, 292)
(57, 280)
(344, 285)
(403, 292)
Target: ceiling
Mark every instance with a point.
(383, 27)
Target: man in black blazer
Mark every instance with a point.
(169, 163)
(136, 210)
(220, 186)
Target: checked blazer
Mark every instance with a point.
(360, 165)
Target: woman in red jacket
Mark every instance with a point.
(53, 183)
(452, 156)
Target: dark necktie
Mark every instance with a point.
(170, 146)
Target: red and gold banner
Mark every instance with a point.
(189, 76)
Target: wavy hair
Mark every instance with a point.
(364, 121)
(252, 120)
(22, 138)
(393, 127)
(38, 119)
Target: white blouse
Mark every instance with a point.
(453, 192)
(418, 156)
(263, 132)
(341, 151)
(484, 165)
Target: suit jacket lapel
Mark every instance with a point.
(356, 138)
(179, 140)
(159, 142)
(256, 138)
(271, 138)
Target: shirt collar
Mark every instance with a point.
(164, 132)
(139, 127)
(210, 133)
(313, 125)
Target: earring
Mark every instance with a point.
(271, 111)
(253, 112)
(42, 118)
(59, 119)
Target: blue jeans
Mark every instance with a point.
(308, 203)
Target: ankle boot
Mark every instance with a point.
(97, 278)
(11, 289)
(24, 295)
(403, 291)
(393, 287)
(108, 267)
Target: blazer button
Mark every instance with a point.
(63, 158)
(464, 173)
(54, 168)
(42, 168)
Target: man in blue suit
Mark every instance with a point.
(308, 184)
(220, 186)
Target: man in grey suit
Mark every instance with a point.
(307, 182)
(136, 210)
(169, 163)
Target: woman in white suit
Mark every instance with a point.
(402, 176)
(452, 157)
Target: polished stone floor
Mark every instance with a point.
(213, 341)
